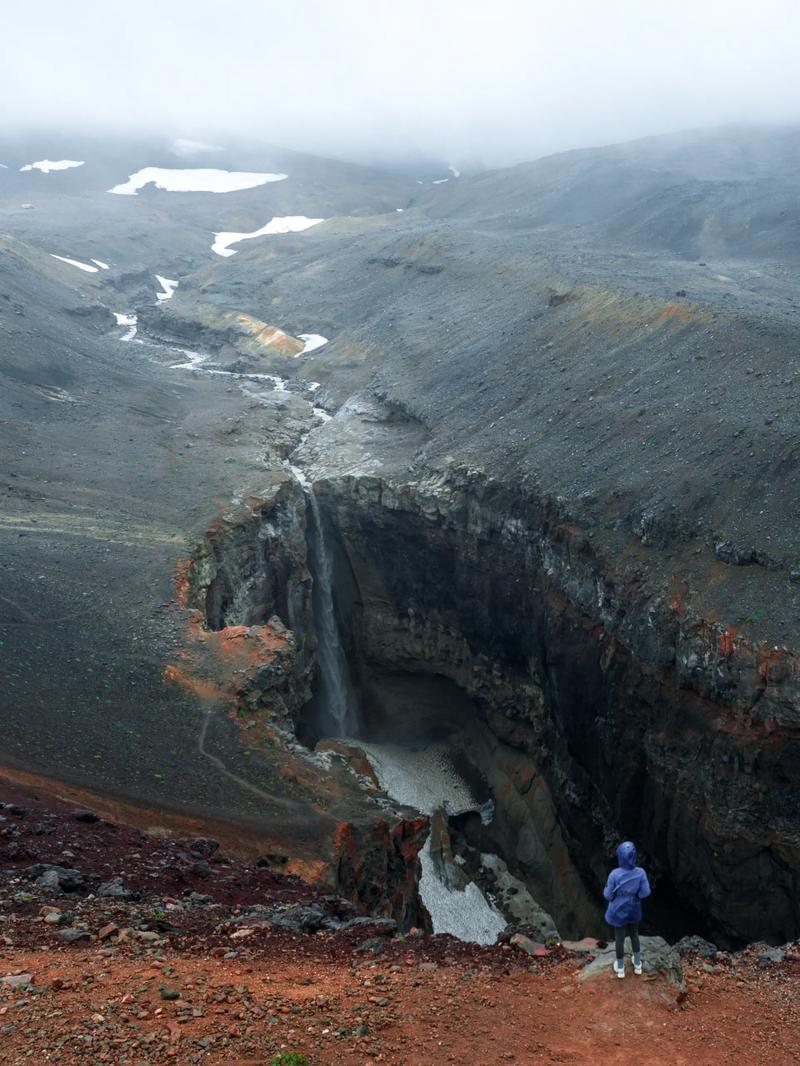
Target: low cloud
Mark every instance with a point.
(461, 82)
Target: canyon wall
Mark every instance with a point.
(594, 710)
(614, 713)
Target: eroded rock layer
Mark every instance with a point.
(608, 711)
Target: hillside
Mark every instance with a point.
(522, 444)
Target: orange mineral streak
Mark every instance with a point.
(200, 687)
(312, 871)
(243, 647)
(183, 587)
(679, 313)
(727, 642)
(771, 664)
(343, 840)
(231, 656)
(216, 664)
(269, 337)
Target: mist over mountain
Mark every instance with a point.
(471, 84)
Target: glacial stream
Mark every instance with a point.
(422, 777)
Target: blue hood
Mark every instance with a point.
(627, 886)
(626, 855)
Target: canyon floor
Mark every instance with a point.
(205, 960)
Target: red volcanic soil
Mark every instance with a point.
(319, 998)
(190, 970)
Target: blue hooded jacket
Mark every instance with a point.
(627, 886)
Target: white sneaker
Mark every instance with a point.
(637, 969)
(619, 970)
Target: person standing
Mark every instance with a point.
(625, 889)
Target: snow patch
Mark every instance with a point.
(191, 180)
(128, 320)
(46, 165)
(312, 342)
(440, 181)
(168, 288)
(427, 780)
(466, 914)
(3, 166)
(454, 171)
(423, 778)
(76, 263)
(100, 263)
(286, 224)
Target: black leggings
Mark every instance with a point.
(620, 932)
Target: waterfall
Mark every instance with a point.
(335, 696)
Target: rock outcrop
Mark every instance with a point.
(659, 962)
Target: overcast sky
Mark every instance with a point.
(494, 81)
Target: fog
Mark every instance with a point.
(456, 80)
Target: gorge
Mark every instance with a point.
(522, 532)
(476, 615)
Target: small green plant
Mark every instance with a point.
(289, 1058)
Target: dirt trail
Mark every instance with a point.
(106, 1006)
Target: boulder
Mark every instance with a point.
(205, 846)
(659, 962)
(770, 955)
(301, 918)
(374, 944)
(530, 947)
(589, 945)
(49, 879)
(114, 889)
(85, 816)
(48, 875)
(74, 936)
(696, 945)
(383, 926)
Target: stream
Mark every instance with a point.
(421, 777)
